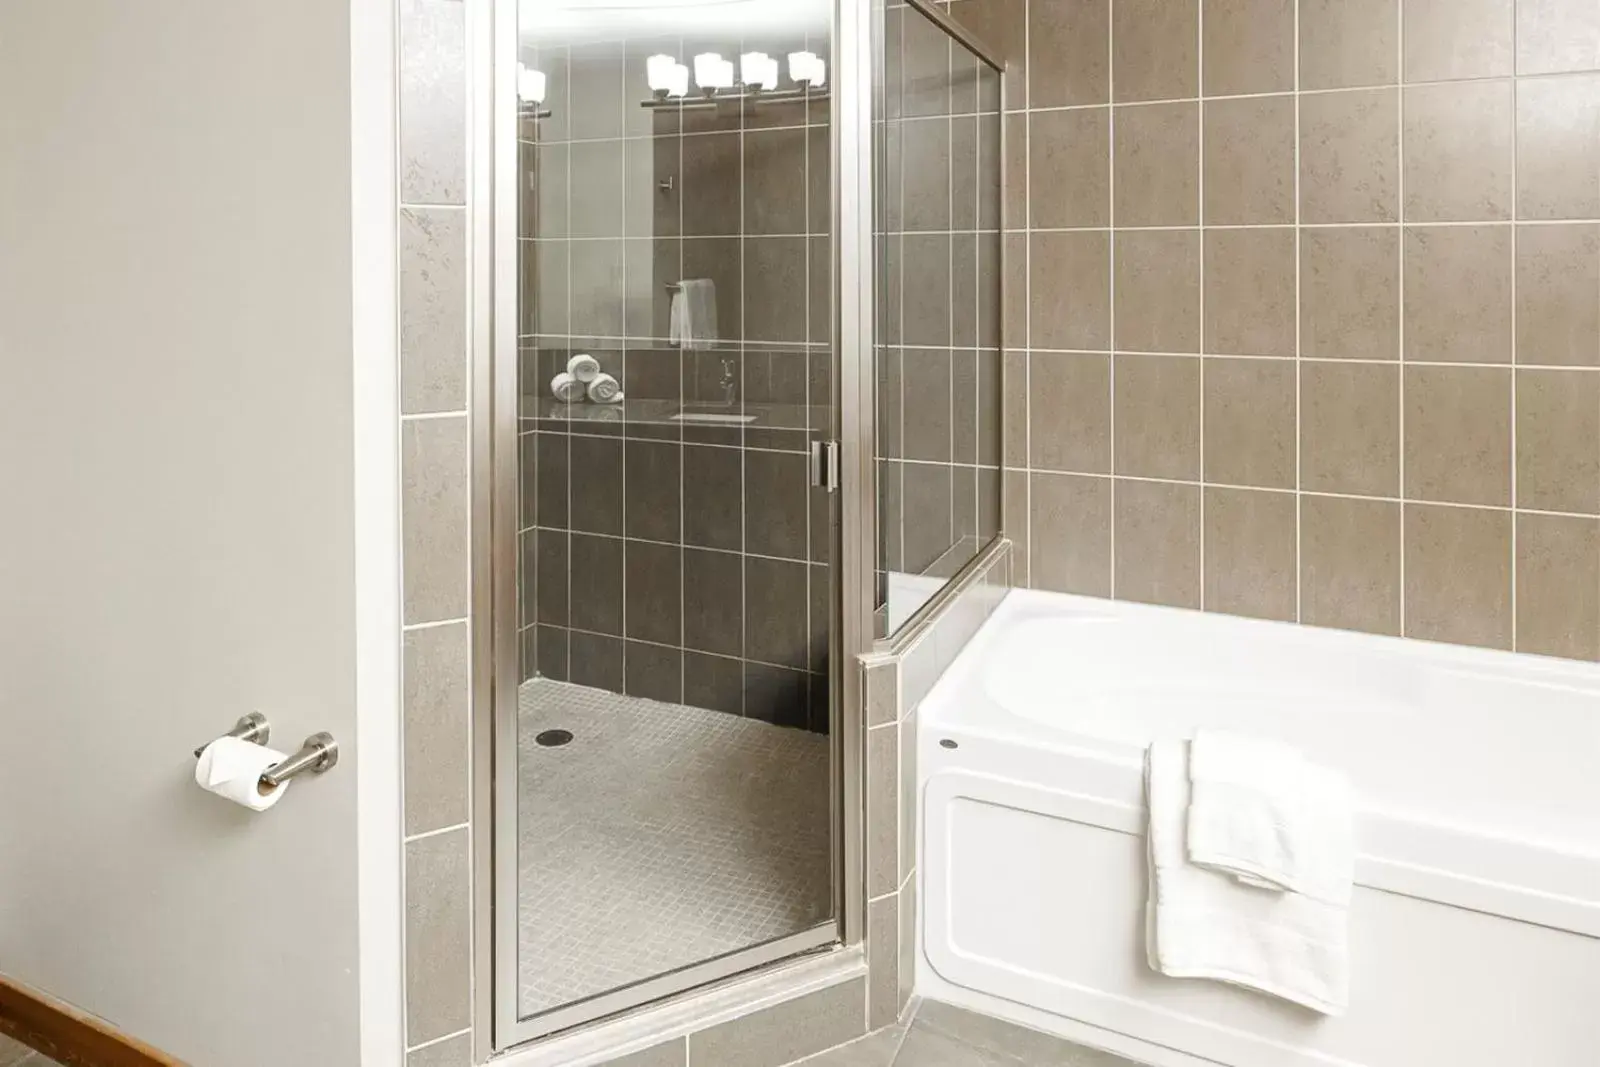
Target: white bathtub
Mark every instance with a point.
(1475, 930)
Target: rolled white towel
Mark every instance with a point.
(605, 390)
(565, 388)
(584, 367)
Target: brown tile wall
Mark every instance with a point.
(678, 563)
(938, 321)
(1304, 309)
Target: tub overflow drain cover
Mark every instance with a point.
(553, 738)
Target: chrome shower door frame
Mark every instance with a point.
(493, 161)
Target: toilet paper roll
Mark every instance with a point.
(583, 367)
(231, 768)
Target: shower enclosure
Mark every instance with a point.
(681, 539)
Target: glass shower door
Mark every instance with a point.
(666, 771)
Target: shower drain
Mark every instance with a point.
(553, 738)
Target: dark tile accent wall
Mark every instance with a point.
(938, 255)
(1304, 317)
(661, 559)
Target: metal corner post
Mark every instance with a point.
(492, 157)
(855, 38)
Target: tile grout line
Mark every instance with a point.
(438, 624)
(1429, 224)
(1027, 281)
(1400, 83)
(1111, 360)
(744, 457)
(622, 465)
(1299, 483)
(1324, 494)
(1400, 297)
(432, 416)
(1200, 208)
(424, 835)
(950, 272)
(437, 1041)
(1345, 360)
(1516, 575)
(566, 75)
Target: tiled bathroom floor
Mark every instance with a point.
(660, 836)
(941, 1035)
(14, 1054)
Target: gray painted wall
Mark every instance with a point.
(176, 451)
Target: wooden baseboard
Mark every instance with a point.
(71, 1037)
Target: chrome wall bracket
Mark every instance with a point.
(318, 755)
(252, 727)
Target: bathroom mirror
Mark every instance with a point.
(938, 273)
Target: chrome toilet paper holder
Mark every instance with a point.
(318, 754)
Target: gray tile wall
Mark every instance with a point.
(435, 510)
(1304, 310)
(939, 314)
(687, 564)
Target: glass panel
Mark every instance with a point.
(937, 222)
(676, 565)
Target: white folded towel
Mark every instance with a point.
(565, 388)
(605, 390)
(1261, 812)
(1201, 923)
(692, 317)
(584, 367)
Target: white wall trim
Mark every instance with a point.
(374, 137)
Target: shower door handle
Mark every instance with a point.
(825, 465)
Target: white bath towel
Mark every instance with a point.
(584, 367)
(605, 390)
(692, 318)
(565, 388)
(1201, 923)
(1261, 812)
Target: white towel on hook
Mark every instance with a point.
(1200, 923)
(1261, 812)
(692, 318)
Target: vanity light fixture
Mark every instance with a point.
(712, 72)
(531, 85)
(668, 78)
(808, 69)
(658, 71)
(678, 82)
(757, 70)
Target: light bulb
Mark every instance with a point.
(530, 85)
(658, 72)
(759, 70)
(678, 81)
(803, 67)
(711, 71)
